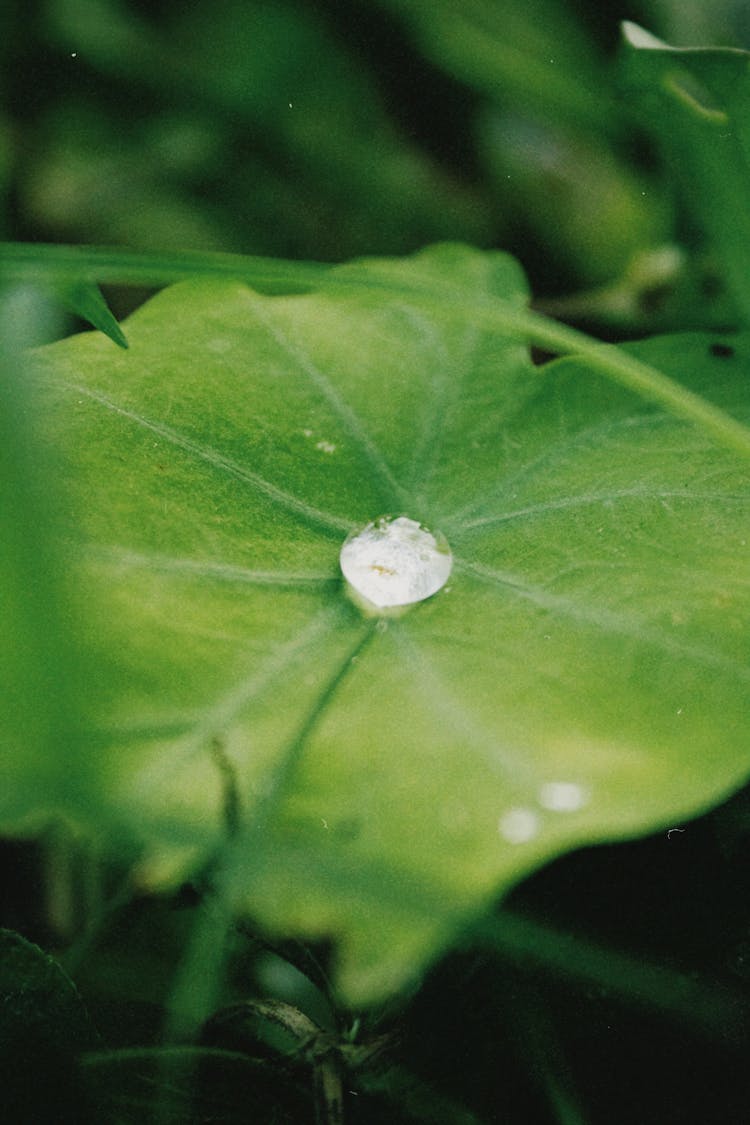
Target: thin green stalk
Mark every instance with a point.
(35, 262)
(630, 372)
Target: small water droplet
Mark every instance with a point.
(394, 562)
(518, 825)
(562, 796)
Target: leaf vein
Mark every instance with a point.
(569, 443)
(205, 568)
(220, 462)
(346, 415)
(220, 715)
(585, 499)
(602, 619)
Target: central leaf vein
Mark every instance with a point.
(282, 777)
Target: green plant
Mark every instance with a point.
(192, 687)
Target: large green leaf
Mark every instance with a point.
(581, 677)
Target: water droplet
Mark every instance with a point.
(395, 562)
(518, 825)
(562, 796)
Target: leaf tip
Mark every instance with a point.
(637, 36)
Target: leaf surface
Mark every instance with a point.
(582, 676)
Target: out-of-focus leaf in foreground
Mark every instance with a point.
(582, 676)
(39, 659)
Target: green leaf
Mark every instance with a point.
(39, 1000)
(697, 101)
(583, 675)
(86, 300)
(547, 126)
(531, 55)
(44, 263)
(587, 208)
(43, 1028)
(275, 71)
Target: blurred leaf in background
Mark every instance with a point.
(551, 134)
(43, 1027)
(698, 104)
(329, 130)
(693, 23)
(227, 126)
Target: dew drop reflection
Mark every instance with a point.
(518, 825)
(562, 796)
(394, 562)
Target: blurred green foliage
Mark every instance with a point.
(328, 130)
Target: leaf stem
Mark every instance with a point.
(319, 1048)
(630, 372)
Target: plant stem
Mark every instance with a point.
(320, 1049)
(329, 1091)
(630, 372)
